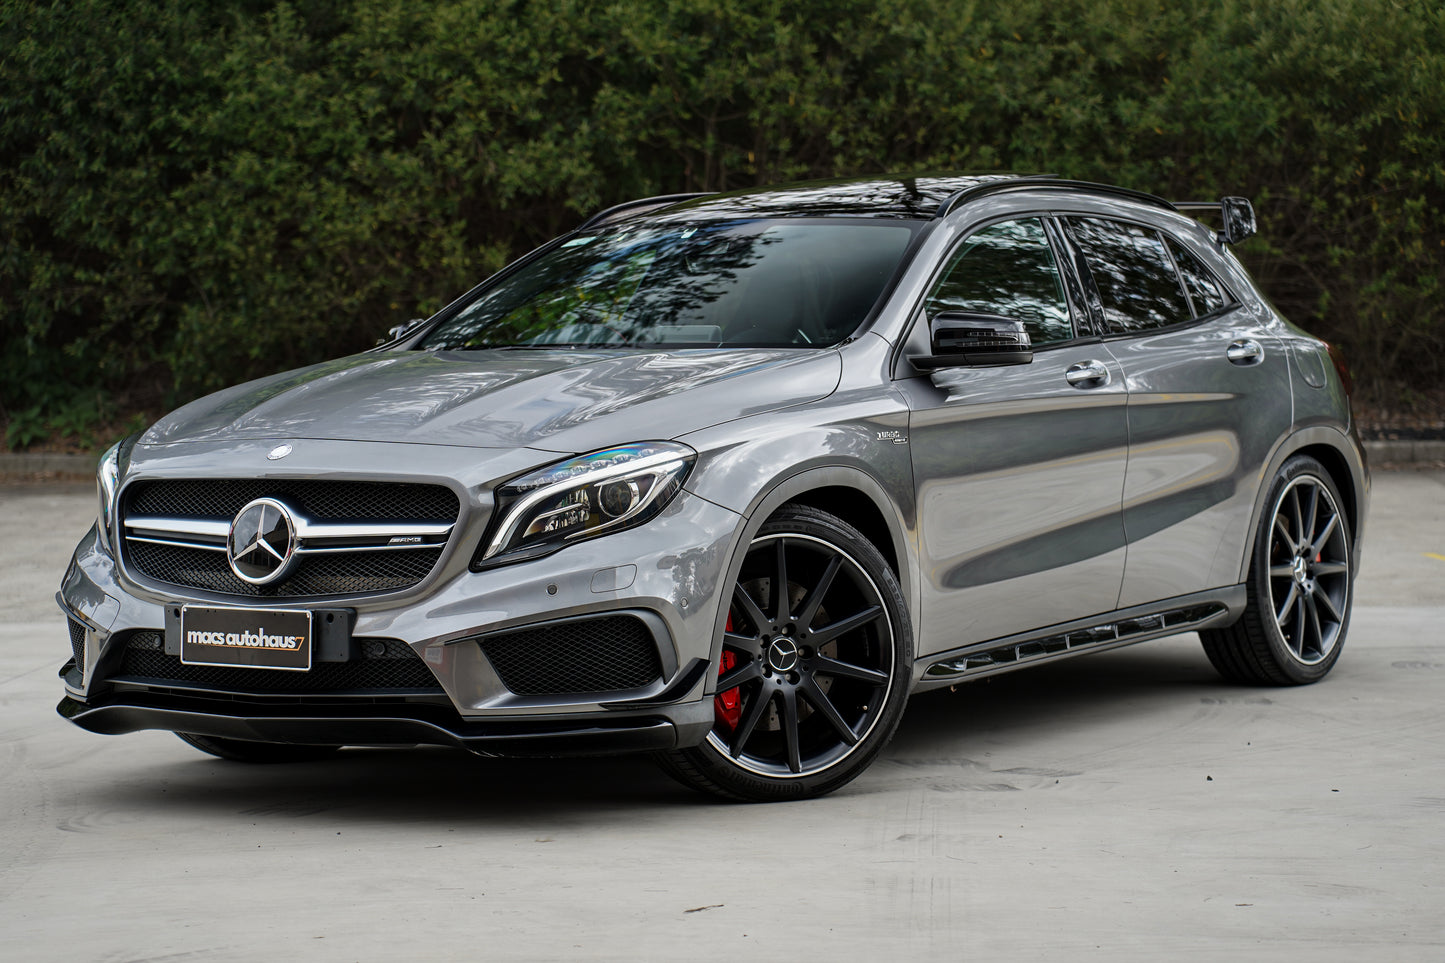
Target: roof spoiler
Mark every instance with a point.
(1236, 212)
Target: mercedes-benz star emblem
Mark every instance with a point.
(783, 654)
(280, 451)
(262, 543)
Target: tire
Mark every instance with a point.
(809, 691)
(1300, 589)
(241, 750)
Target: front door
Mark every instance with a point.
(1018, 470)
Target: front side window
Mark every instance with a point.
(1132, 271)
(743, 283)
(1008, 270)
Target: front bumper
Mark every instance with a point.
(664, 575)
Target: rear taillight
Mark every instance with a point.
(1341, 369)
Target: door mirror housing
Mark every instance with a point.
(961, 339)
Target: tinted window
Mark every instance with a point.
(1204, 289)
(740, 282)
(1009, 270)
(1133, 273)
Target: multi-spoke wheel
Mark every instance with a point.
(1299, 586)
(814, 664)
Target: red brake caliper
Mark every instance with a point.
(727, 706)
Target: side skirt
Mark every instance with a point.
(1187, 613)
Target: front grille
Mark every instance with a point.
(366, 570)
(588, 655)
(77, 643)
(340, 573)
(331, 500)
(391, 668)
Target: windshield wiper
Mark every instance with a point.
(557, 344)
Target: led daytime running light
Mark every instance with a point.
(587, 496)
(108, 474)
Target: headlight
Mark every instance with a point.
(583, 497)
(107, 485)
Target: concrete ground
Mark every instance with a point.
(1126, 805)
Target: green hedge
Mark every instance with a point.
(193, 192)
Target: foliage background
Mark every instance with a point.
(193, 192)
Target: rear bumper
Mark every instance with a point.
(405, 724)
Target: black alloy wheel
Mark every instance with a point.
(1300, 586)
(814, 665)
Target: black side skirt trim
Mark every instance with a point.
(1187, 613)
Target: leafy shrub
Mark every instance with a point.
(194, 192)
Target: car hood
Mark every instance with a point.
(563, 400)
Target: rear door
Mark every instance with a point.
(1209, 397)
(1018, 470)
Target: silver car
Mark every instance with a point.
(725, 478)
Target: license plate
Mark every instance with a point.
(256, 638)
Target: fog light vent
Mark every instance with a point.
(585, 655)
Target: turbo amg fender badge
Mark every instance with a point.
(261, 546)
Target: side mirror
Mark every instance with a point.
(964, 339)
(397, 330)
(1238, 219)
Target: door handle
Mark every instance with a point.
(1087, 374)
(1244, 351)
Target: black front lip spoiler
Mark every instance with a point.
(365, 726)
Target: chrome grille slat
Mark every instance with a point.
(211, 533)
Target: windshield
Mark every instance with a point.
(750, 283)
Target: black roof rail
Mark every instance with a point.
(1045, 180)
(638, 206)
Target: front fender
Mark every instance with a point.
(843, 463)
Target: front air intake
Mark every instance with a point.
(77, 643)
(605, 654)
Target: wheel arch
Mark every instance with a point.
(1342, 458)
(858, 510)
(849, 493)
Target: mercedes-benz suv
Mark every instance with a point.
(726, 477)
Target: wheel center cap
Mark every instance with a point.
(1301, 570)
(783, 655)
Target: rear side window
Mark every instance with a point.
(1007, 270)
(1133, 273)
(1204, 288)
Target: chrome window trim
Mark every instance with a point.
(212, 534)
